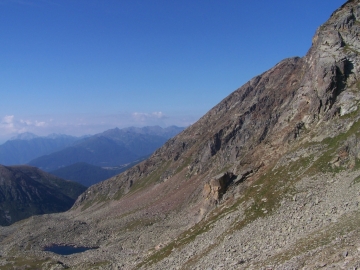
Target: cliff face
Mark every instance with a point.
(267, 178)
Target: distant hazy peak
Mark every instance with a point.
(25, 136)
(167, 132)
(57, 135)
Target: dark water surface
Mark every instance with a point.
(66, 250)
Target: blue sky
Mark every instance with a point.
(81, 67)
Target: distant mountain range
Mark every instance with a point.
(87, 159)
(27, 146)
(111, 148)
(26, 191)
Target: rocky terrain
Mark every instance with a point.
(267, 179)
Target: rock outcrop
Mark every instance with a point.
(217, 186)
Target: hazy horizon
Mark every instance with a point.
(44, 135)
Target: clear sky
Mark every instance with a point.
(83, 66)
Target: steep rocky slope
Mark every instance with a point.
(27, 191)
(267, 179)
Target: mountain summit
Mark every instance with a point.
(267, 179)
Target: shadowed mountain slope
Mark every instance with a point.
(26, 191)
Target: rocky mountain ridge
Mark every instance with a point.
(267, 179)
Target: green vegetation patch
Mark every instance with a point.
(323, 163)
(151, 178)
(185, 163)
(136, 224)
(100, 198)
(185, 238)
